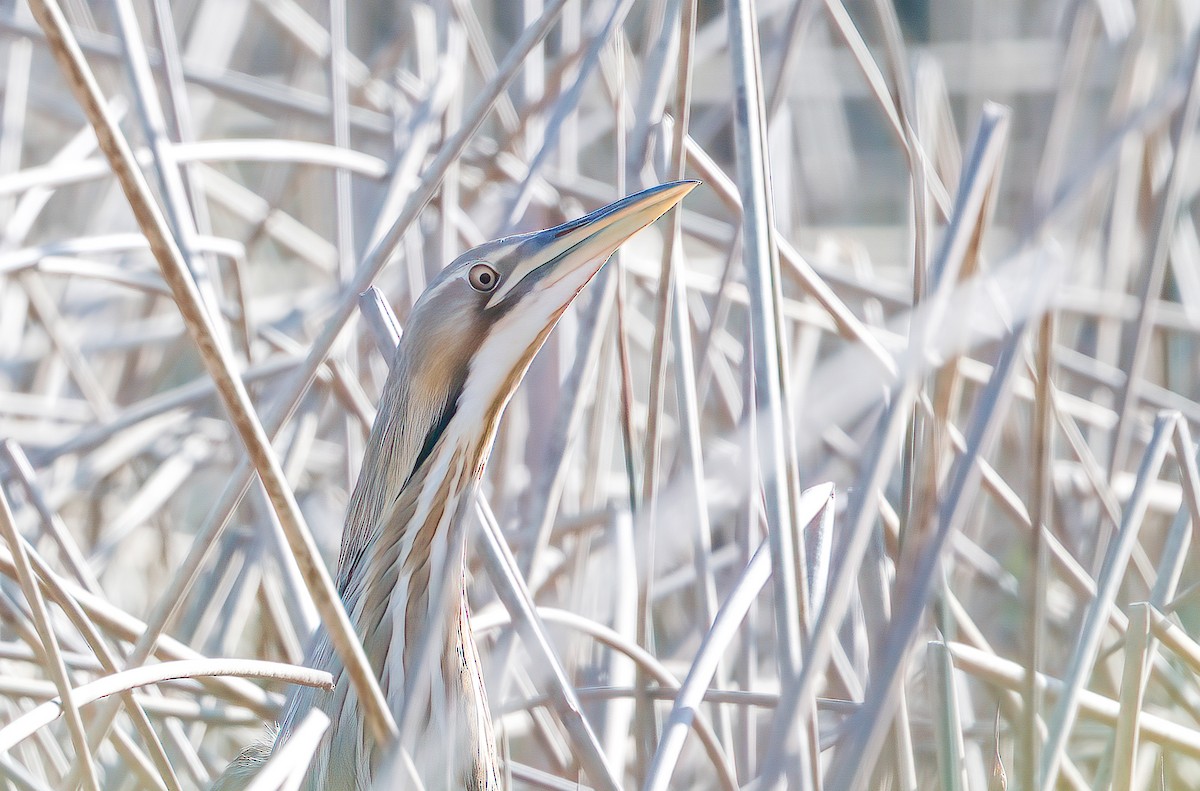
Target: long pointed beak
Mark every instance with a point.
(558, 252)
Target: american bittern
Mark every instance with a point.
(469, 340)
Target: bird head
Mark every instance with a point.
(476, 328)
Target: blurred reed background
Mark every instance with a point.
(770, 485)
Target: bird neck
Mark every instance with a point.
(411, 420)
(405, 572)
(401, 571)
(405, 595)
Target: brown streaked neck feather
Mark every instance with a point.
(391, 591)
(417, 405)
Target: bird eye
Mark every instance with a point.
(483, 278)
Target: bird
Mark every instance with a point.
(468, 341)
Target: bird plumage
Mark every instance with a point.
(469, 340)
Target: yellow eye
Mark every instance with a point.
(483, 278)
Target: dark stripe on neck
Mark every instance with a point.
(436, 430)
